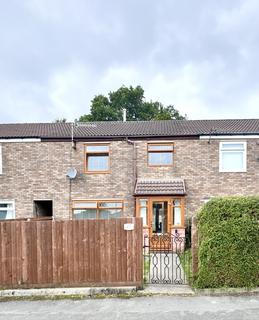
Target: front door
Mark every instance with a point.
(159, 217)
(160, 224)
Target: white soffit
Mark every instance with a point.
(21, 140)
(229, 137)
(1, 161)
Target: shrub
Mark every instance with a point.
(228, 243)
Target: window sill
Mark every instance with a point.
(97, 172)
(160, 165)
(232, 171)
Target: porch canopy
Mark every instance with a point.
(159, 187)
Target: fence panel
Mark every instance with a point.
(70, 253)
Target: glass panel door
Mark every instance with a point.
(159, 217)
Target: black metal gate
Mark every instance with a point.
(167, 259)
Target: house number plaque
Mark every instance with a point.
(128, 226)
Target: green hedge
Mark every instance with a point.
(228, 243)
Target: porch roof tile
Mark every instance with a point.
(160, 187)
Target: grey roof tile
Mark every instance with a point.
(168, 128)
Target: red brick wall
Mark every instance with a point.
(37, 171)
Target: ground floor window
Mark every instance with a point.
(97, 209)
(161, 214)
(143, 210)
(7, 210)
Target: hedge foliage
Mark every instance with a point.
(228, 243)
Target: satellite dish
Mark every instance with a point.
(71, 173)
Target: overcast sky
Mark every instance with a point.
(55, 55)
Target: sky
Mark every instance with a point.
(56, 55)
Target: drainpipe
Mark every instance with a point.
(73, 142)
(73, 147)
(135, 173)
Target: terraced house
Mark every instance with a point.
(162, 171)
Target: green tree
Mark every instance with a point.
(61, 120)
(101, 110)
(168, 113)
(133, 100)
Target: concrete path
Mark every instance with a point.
(171, 290)
(166, 268)
(144, 308)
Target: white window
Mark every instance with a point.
(232, 157)
(1, 161)
(7, 210)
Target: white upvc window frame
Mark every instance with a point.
(222, 150)
(1, 160)
(12, 202)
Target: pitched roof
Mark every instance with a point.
(161, 187)
(105, 129)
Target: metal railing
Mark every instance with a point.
(167, 259)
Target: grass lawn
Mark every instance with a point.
(146, 267)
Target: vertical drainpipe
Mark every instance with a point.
(135, 172)
(70, 180)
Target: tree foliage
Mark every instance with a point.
(110, 108)
(60, 120)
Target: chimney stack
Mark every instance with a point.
(124, 115)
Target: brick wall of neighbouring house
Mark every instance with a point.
(37, 171)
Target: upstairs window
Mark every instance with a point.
(97, 158)
(97, 209)
(160, 154)
(7, 210)
(232, 157)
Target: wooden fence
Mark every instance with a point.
(70, 253)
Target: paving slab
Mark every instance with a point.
(166, 267)
(157, 289)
